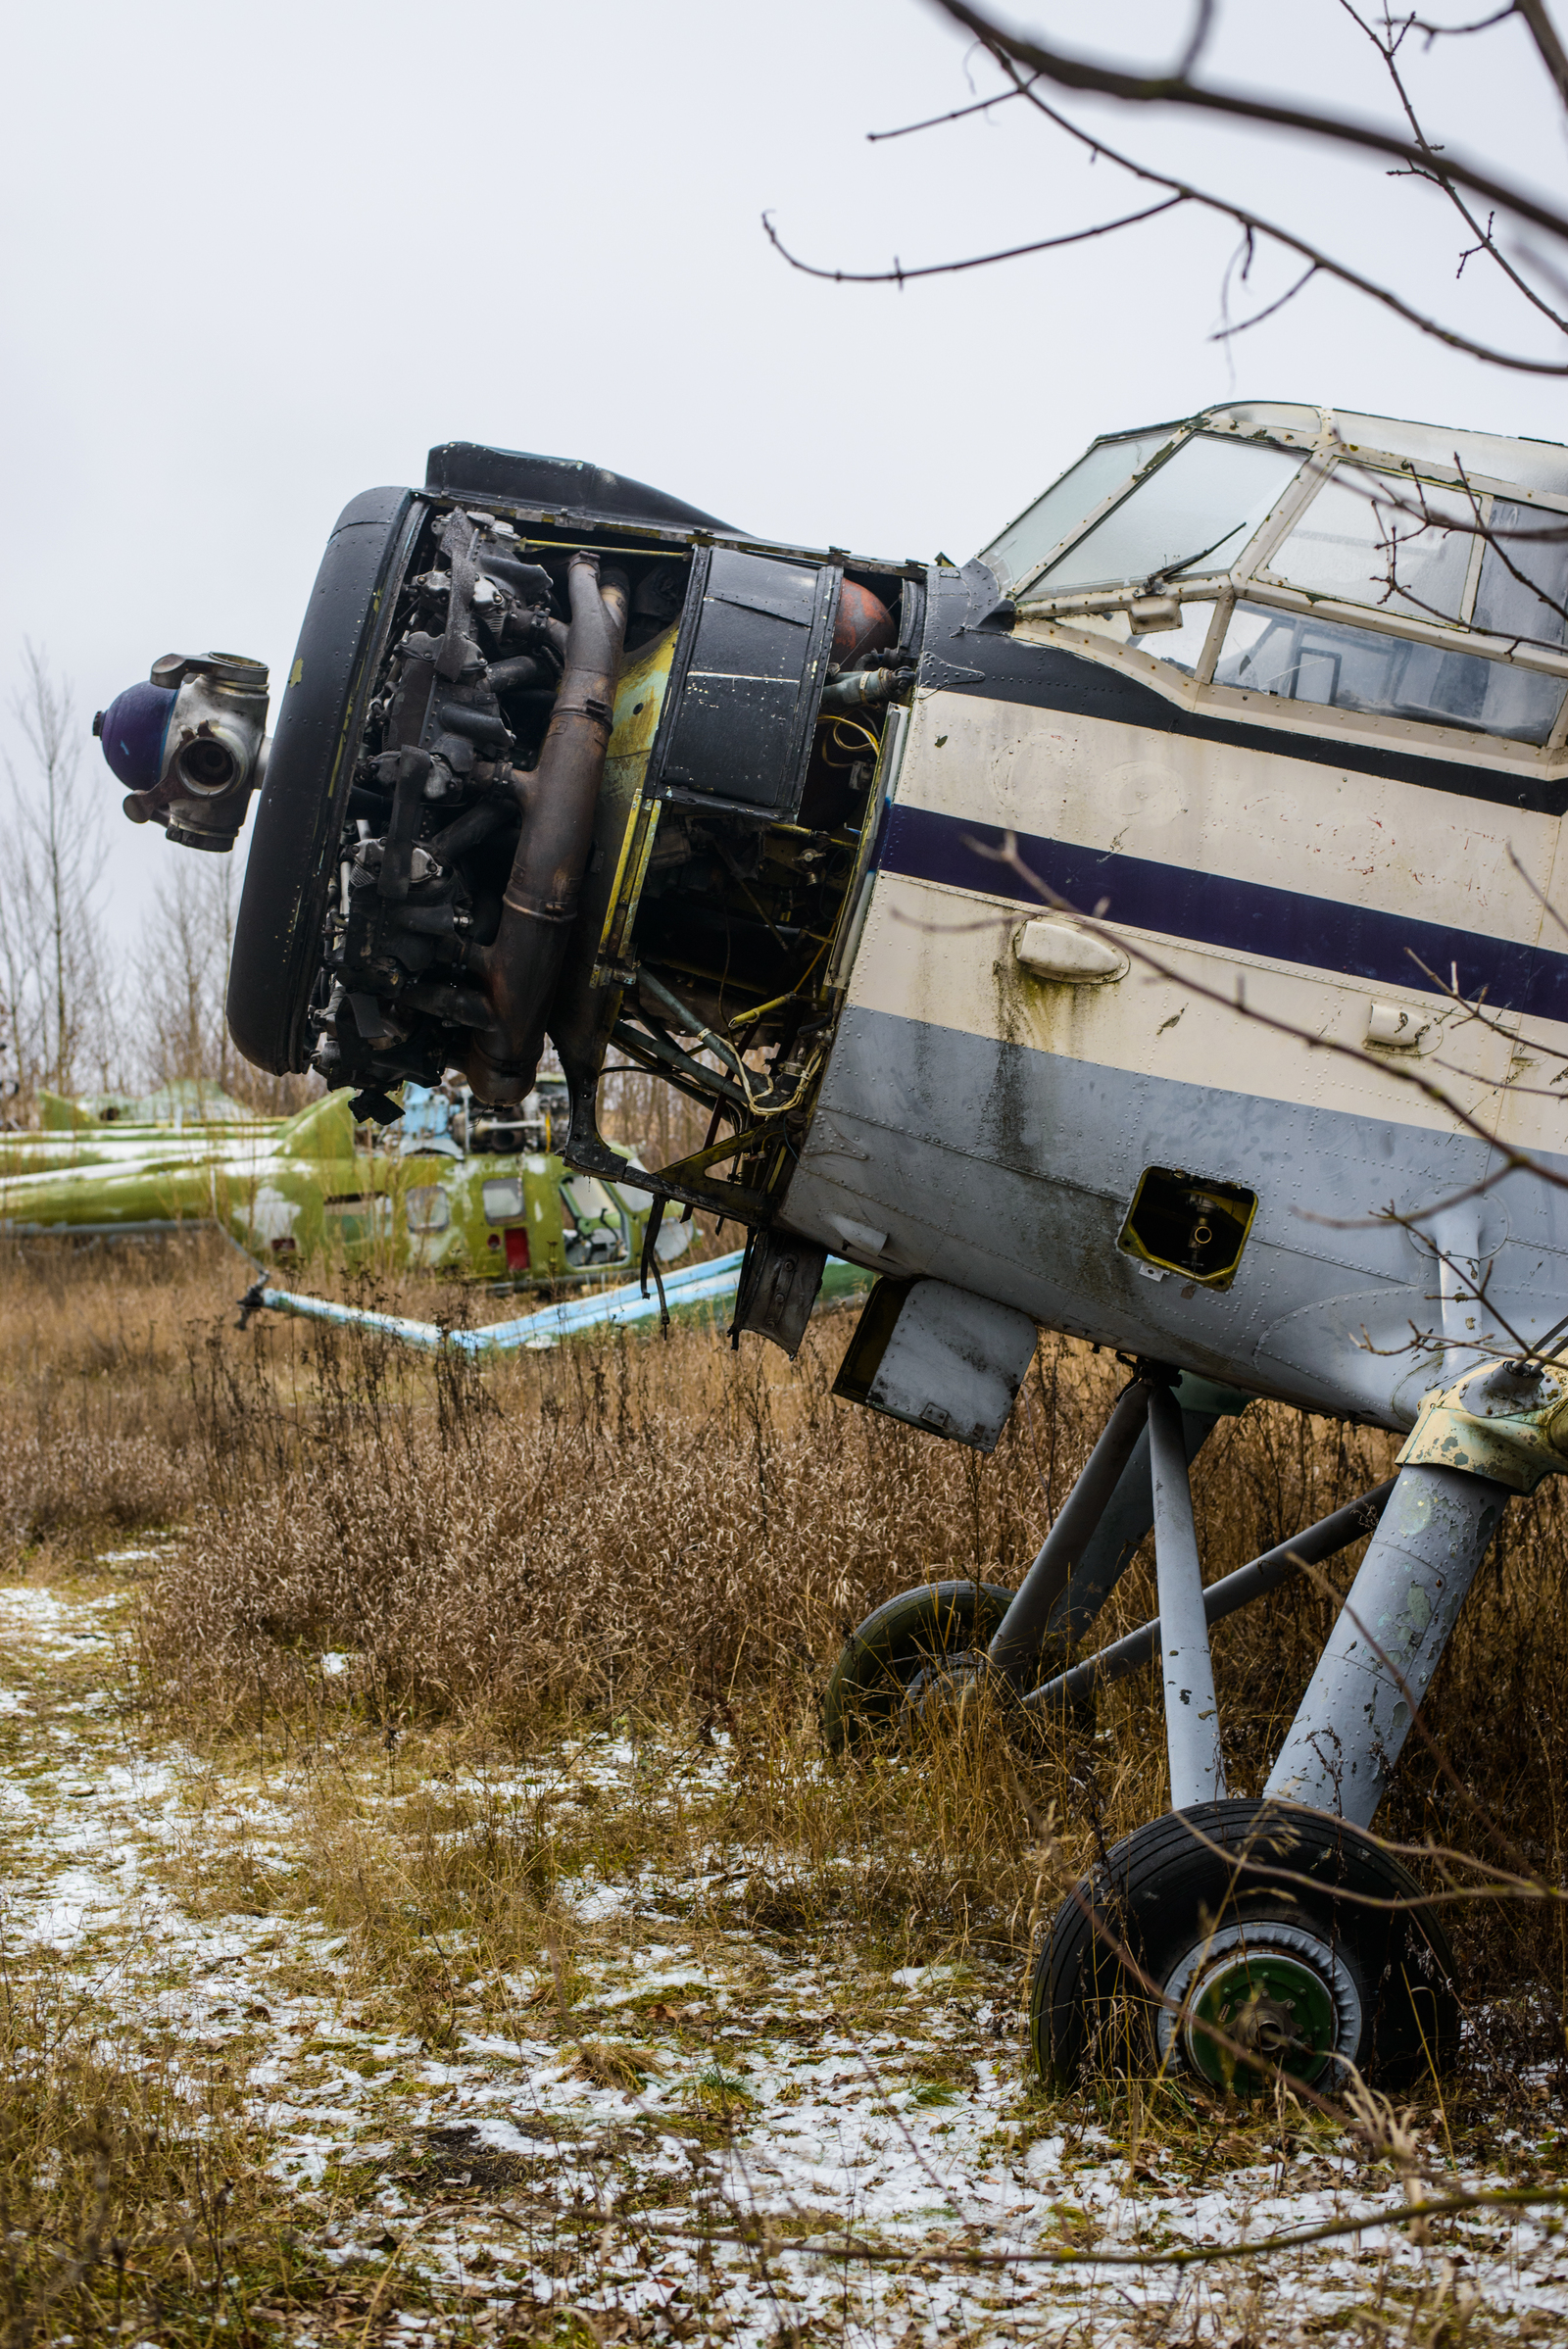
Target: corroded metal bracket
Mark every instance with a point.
(1505, 1420)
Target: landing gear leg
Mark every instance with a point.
(898, 1646)
(1387, 1642)
(1099, 1526)
(1248, 1939)
(1015, 1649)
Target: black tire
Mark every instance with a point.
(1207, 1924)
(299, 817)
(897, 1641)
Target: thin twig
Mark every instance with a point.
(1085, 77)
(1196, 2255)
(900, 275)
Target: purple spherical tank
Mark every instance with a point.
(133, 729)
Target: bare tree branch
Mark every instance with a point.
(1196, 39)
(956, 114)
(898, 276)
(1082, 76)
(1544, 34)
(1251, 224)
(1026, 65)
(1446, 32)
(1225, 334)
(1386, 45)
(1284, 237)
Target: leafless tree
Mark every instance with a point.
(182, 968)
(57, 997)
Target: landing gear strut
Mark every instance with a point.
(1243, 1939)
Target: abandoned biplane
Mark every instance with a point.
(1140, 931)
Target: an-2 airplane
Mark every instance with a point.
(1106, 935)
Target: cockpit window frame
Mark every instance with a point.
(1324, 453)
(1181, 430)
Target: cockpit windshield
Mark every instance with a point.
(1260, 550)
(1060, 514)
(1193, 514)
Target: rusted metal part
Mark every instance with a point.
(862, 624)
(860, 688)
(660, 1055)
(457, 647)
(1505, 1420)
(637, 847)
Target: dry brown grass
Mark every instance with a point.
(672, 1532)
(665, 1542)
(123, 2199)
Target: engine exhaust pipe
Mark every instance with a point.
(519, 972)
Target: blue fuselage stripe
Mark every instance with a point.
(1245, 917)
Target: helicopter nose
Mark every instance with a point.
(133, 730)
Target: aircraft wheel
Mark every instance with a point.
(896, 1643)
(1245, 1917)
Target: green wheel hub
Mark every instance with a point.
(1273, 1988)
(1269, 2001)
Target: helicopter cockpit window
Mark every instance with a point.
(599, 1233)
(1189, 518)
(1302, 659)
(428, 1208)
(1024, 545)
(504, 1201)
(1365, 539)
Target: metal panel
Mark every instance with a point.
(1005, 1170)
(750, 671)
(950, 1361)
(466, 469)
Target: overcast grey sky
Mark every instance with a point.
(260, 257)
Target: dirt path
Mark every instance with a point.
(671, 2129)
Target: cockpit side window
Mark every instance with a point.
(599, 1233)
(1366, 539)
(1299, 659)
(1241, 564)
(1523, 590)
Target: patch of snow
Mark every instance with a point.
(829, 2127)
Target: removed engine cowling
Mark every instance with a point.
(495, 705)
